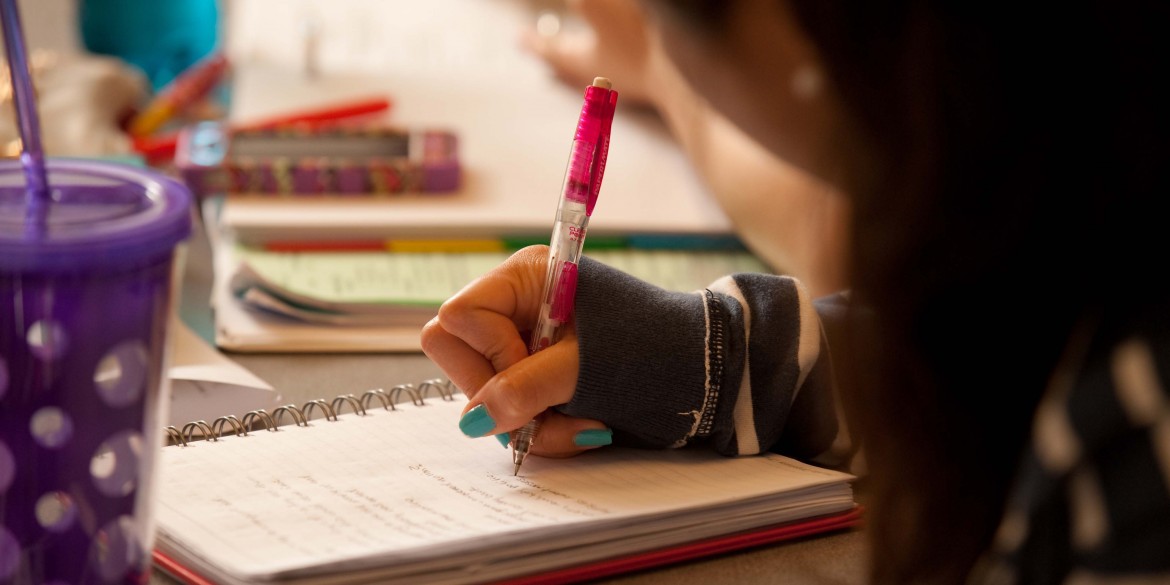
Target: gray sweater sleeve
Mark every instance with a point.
(741, 365)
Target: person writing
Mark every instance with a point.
(998, 369)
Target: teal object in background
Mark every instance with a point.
(160, 37)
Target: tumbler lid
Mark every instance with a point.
(101, 215)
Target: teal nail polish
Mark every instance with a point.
(593, 438)
(504, 439)
(476, 422)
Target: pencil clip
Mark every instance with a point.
(601, 150)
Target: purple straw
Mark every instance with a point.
(32, 156)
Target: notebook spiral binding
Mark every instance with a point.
(300, 415)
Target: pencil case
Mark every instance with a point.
(314, 161)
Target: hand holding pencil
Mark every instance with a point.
(552, 313)
(480, 341)
(579, 193)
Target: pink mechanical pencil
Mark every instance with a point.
(578, 196)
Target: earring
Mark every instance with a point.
(806, 82)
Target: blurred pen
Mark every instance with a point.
(578, 196)
(161, 147)
(186, 89)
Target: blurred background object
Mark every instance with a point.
(84, 101)
(109, 63)
(161, 37)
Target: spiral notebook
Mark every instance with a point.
(382, 487)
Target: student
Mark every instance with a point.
(1002, 358)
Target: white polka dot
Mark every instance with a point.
(121, 374)
(116, 549)
(51, 427)
(55, 511)
(114, 466)
(47, 339)
(9, 554)
(7, 467)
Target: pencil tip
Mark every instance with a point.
(516, 471)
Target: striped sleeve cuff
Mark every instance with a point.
(646, 364)
(730, 365)
(782, 400)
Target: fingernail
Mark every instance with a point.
(593, 438)
(476, 422)
(504, 439)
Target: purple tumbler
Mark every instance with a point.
(84, 308)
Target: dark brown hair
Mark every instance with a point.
(1004, 177)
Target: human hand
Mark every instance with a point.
(479, 339)
(619, 43)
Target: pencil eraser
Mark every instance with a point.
(602, 82)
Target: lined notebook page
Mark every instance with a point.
(407, 485)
